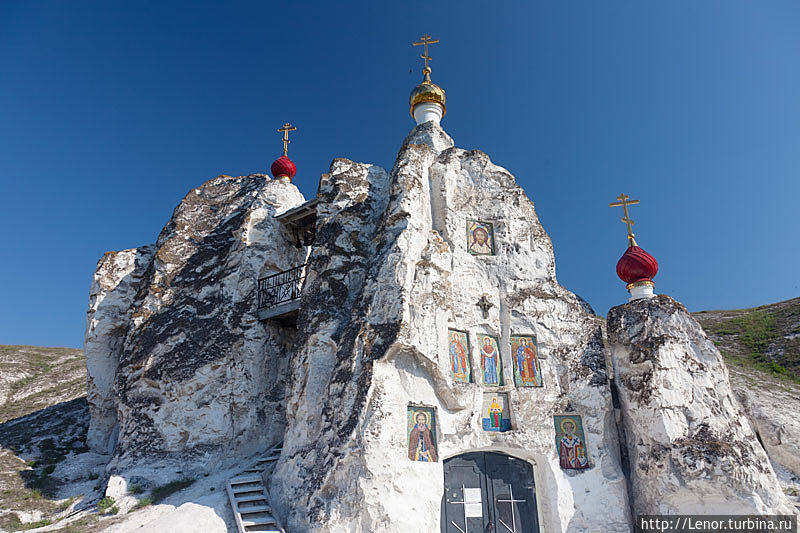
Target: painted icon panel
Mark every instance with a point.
(525, 354)
(491, 366)
(571, 442)
(496, 416)
(459, 355)
(480, 237)
(421, 428)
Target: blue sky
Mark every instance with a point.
(111, 112)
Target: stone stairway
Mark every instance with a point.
(248, 496)
(795, 499)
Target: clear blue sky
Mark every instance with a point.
(111, 112)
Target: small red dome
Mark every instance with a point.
(636, 265)
(283, 166)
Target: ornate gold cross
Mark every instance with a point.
(425, 40)
(625, 202)
(286, 129)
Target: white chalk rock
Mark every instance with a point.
(198, 373)
(114, 287)
(772, 408)
(116, 488)
(690, 447)
(389, 273)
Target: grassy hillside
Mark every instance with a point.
(43, 421)
(32, 378)
(765, 338)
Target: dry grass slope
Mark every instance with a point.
(32, 378)
(43, 421)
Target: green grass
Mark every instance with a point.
(162, 492)
(753, 331)
(11, 522)
(105, 504)
(143, 502)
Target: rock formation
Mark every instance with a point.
(388, 274)
(183, 370)
(691, 449)
(173, 327)
(772, 409)
(116, 280)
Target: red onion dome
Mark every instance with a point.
(636, 265)
(283, 166)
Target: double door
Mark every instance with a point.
(487, 492)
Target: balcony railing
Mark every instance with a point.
(281, 287)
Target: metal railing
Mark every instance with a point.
(281, 287)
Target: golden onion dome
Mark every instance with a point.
(427, 91)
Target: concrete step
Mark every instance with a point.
(242, 480)
(259, 521)
(254, 498)
(255, 509)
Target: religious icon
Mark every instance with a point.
(459, 355)
(490, 360)
(526, 361)
(571, 442)
(421, 434)
(480, 237)
(495, 415)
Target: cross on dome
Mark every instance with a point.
(426, 40)
(622, 201)
(286, 129)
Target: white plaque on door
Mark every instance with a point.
(473, 507)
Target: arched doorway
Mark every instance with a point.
(488, 492)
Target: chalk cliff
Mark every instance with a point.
(179, 365)
(116, 281)
(389, 273)
(184, 377)
(691, 448)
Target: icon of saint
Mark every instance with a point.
(480, 244)
(459, 358)
(420, 441)
(571, 450)
(495, 414)
(489, 358)
(527, 362)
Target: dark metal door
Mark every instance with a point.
(486, 492)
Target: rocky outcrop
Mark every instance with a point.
(197, 372)
(114, 286)
(771, 407)
(389, 273)
(690, 446)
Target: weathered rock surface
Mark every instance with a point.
(116, 280)
(690, 446)
(389, 273)
(198, 373)
(772, 408)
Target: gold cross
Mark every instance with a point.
(624, 202)
(425, 40)
(286, 129)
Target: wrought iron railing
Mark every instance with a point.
(281, 287)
